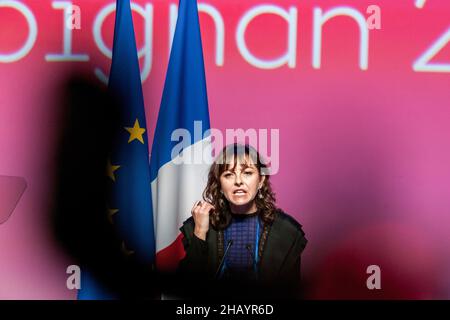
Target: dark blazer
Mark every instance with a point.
(279, 267)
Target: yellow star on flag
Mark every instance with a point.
(110, 170)
(136, 132)
(125, 250)
(111, 213)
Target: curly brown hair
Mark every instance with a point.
(227, 159)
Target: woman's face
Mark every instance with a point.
(240, 186)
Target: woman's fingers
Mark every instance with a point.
(210, 208)
(200, 213)
(206, 207)
(202, 207)
(196, 204)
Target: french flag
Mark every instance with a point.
(181, 151)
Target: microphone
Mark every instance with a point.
(249, 249)
(229, 244)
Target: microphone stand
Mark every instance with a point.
(230, 242)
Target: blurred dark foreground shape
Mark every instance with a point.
(82, 225)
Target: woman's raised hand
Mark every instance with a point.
(200, 212)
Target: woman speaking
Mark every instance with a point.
(237, 241)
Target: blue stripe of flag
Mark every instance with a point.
(184, 97)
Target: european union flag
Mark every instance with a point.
(130, 207)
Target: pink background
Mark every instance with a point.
(364, 155)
